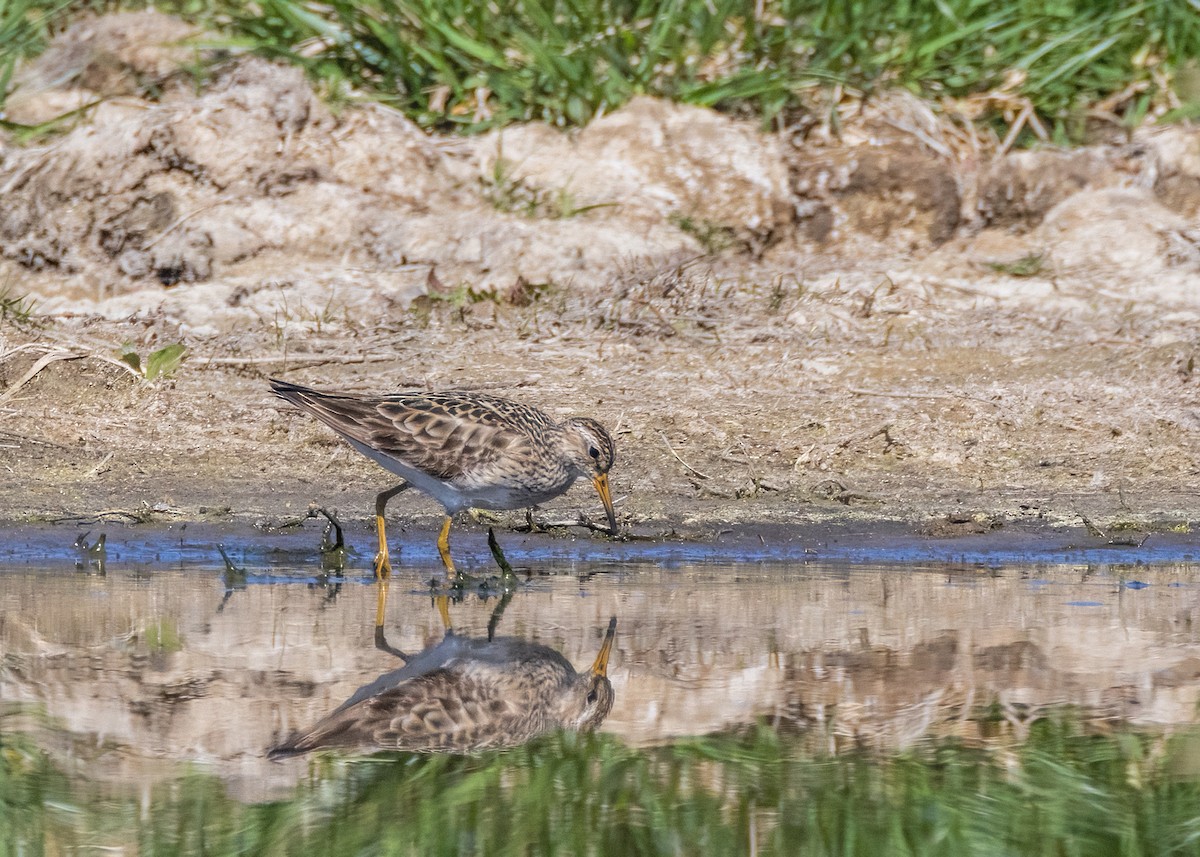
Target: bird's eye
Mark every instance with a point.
(591, 697)
(594, 453)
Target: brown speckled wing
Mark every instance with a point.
(440, 710)
(442, 434)
(447, 710)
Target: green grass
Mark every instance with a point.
(25, 28)
(1064, 792)
(17, 308)
(471, 65)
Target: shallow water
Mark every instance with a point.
(160, 682)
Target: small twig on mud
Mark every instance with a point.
(1112, 538)
(33, 166)
(677, 458)
(886, 395)
(314, 359)
(885, 432)
(100, 468)
(24, 438)
(43, 361)
(30, 346)
(581, 520)
(943, 396)
(72, 350)
(940, 148)
(179, 221)
(140, 516)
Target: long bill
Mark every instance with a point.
(600, 667)
(601, 483)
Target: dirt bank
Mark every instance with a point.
(897, 322)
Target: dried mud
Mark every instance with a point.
(780, 328)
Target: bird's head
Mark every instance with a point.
(594, 691)
(591, 452)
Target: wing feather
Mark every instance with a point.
(444, 709)
(445, 435)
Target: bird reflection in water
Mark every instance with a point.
(465, 694)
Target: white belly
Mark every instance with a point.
(455, 498)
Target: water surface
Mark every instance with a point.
(760, 707)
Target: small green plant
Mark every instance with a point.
(163, 637)
(713, 237)
(561, 205)
(14, 307)
(511, 193)
(1029, 265)
(162, 363)
(464, 294)
(508, 192)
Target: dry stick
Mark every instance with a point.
(860, 392)
(299, 358)
(1014, 129)
(29, 346)
(945, 396)
(677, 458)
(24, 438)
(44, 361)
(88, 351)
(933, 144)
(101, 467)
(37, 163)
(179, 222)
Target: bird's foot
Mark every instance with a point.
(485, 517)
(383, 566)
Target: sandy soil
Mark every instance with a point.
(778, 328)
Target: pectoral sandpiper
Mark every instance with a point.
(464, 449)
(466, 694)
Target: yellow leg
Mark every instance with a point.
(380, 603)
(383, 567)
(443, 608)
(380, 635)
(444, 548)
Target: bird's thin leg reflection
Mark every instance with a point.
(508, 584)
(234, 578)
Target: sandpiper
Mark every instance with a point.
(464, 449)
(466, 694)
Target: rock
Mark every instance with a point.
(101, 57)
(1174, 160)
(251, 165)
(657, 162)
(1021, 187)
(255, 171)
(1115, 233)
(895, 192)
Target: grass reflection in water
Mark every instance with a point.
(1062, 792)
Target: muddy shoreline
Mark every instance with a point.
(275, 553)
(877, 325)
